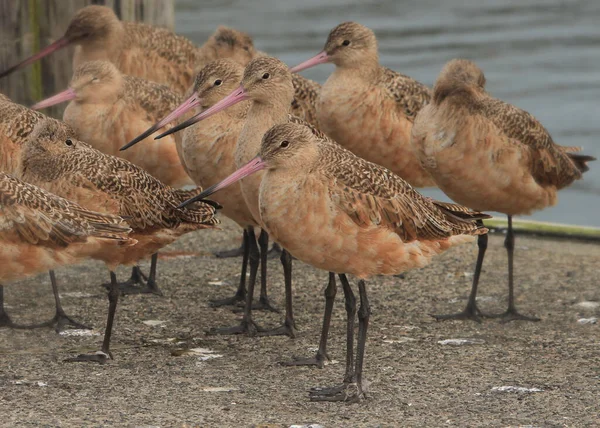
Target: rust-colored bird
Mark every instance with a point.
(268, 83)
(16, 123)
(137, 49)
(53, 159)
(107, 109)
(367, 108)
(40, 231)
(348, 216)
(208, 155)
(489, 155)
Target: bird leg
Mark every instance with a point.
(240, 294)
(471, 311)
(102, 356)
(511, 314)
(5, 320)
(287, 329)
(236, 252)
(319, 359)
(337, 393)
(263, 302)
(61, 319)
(138, 283)
(247, 325)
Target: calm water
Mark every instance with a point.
(543, 56)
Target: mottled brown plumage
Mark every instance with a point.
(40, 231)
(369, 194)
(464, 122)
(306, 94)
(137, 49)
(368, 108)
(489, 155)
(227, 43)
(338, 212)
(55, 160)
(16, 123)
(110, 109)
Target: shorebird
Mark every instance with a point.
(208, 155)
(349, 216)
(366, 107)
(268, 83)
(16, 125)
(41, 231)
(492, 156)
(53, 159)
(108, 109)
(137, 49)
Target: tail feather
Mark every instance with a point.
(581, 161)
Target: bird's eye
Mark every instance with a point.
(69, 142)
(284, 144)
(346, 42)
(266, 76)
(218, 82)
(247, 48)
(95, 80)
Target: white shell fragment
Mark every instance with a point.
(517, 389)
(460, 342)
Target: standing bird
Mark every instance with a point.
(348, 216)
(208, 155)
(492, 156)
(53, 159)
(16, 123)
(267, 82)
(137, 49)
(107, 109)
(367, 108)
(41, 231)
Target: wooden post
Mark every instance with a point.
(26, 26)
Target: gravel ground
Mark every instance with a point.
(414, 379)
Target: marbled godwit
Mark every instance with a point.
(17, 123)
(65, 166)
(15, 126)
(492, 156)
(267, 82)
(41, 231)
(137, 49)
(367, 108)
(349, 216)
(107, 109)
(207, 153)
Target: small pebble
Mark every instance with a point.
(592, 320)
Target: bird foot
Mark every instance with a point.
(130, 287)
(229, 301)
(347, 392)
(99, 357)
(249, 328)
(511, 314)
(61, 321)
(286, 329)
(471, 312)
(263, 304)
(317, 361)
(226, 254)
